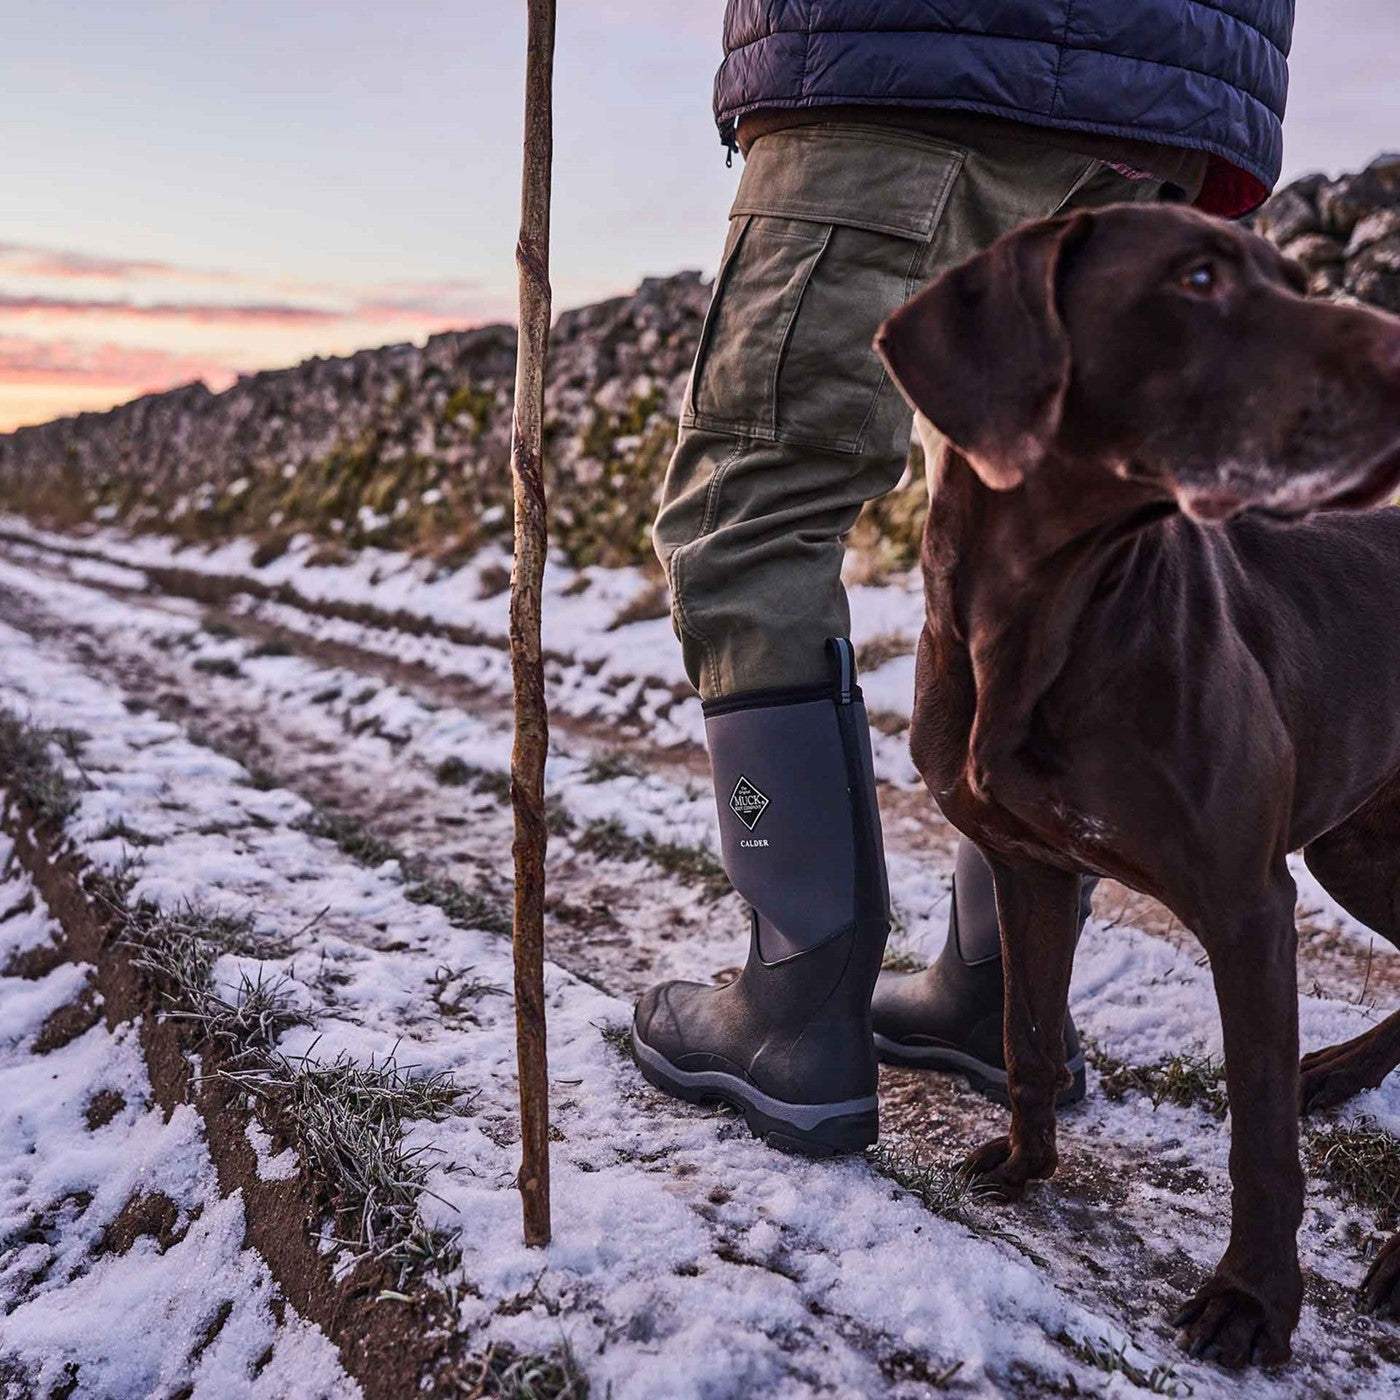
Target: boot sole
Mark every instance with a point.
(982, 1078)
(806, 1130)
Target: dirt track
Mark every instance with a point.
(1140, 1198)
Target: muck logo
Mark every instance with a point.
(747, 803)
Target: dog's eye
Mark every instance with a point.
(1199, 279)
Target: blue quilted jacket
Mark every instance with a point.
(1211, 75)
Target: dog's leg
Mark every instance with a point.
(1380, 1293)
(1358, 864)
(1249, 1307)
(1038, 908)
(1330, 1077)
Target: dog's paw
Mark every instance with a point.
(1223, 1323)
(1380, 1293)
(1000, 1169)
(1327, 1078)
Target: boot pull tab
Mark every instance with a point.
(843, 667)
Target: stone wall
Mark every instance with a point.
(1346, 232)
(401, 446)
(408, 447)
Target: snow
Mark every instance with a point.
(132, 1324)
(687, 1259)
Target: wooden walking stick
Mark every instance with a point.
(527, 664)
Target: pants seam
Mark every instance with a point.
(709, 656)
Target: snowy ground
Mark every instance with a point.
(687, 1260)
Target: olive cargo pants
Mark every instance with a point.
(790, 423)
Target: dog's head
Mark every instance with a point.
(1168, 348)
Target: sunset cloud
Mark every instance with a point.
(88, 329)
(210, 312)
(104, 364)
(35, 260)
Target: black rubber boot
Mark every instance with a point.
(949, 1017)
(789, 1041)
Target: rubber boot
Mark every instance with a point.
(789, 1041)
(949, 1016)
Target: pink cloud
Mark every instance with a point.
(35, 260)
(24, 360)
(204, 312)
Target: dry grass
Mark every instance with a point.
(951, 1194)
(1189, 1081)
(29, 767)
(1363, 1160)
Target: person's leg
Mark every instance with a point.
(790, 426)
(949, 1016)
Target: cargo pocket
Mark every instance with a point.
(827, 236)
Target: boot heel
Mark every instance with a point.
(837, 1137)
(807, 1130)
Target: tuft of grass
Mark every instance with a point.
(455, 991)
(612, 763)
(349, 1119)
(178, 950)
(609, 840)
(350, 835)
(949, 1194)
(512, 1376)
(120, 830)
(454, 772)
(901, 960)
(877, 651)
(27, 765)
(218, 666)
(1113, 1360)
(464, 907)
(618, 1037)
(350, 1123)
(273, 646)
(1189, 1081)
(1362, 1159)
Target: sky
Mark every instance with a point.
(198, 188)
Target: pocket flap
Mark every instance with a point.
(882, 181)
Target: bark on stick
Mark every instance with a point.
(527, 664)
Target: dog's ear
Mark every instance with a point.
(982, 352)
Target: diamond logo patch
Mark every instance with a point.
(747, 802)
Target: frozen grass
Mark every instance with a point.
(120, 830)
(1113, 1361)
(1189, 1081)
(618, 1038)
(218, 666)
(900, 960)
(456, 991)
(610, 764)
(464, 907)
(349, 1120)
(1363, 1160)
(351, 835)
(609, 840)
(26, 758)
(178, 949)
(950, 1194)
(510, 1376)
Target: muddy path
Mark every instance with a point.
(1133, 1218)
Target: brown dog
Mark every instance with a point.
(1141, 660)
